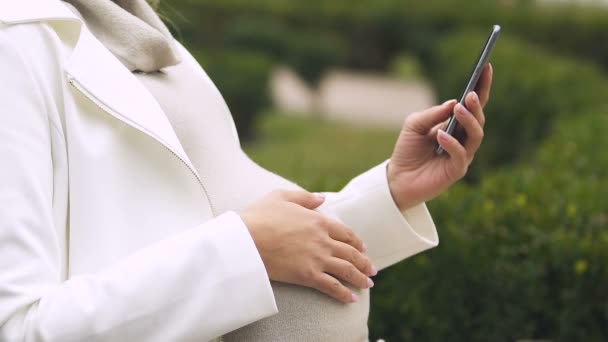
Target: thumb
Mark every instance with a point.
(305, 199)
(422, 122)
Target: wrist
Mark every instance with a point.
(247, 219)
(250, 222)
(395, 188)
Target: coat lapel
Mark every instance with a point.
(97, 73)
(100, 76)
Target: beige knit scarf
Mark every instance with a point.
(131, 30)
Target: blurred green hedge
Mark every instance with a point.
(314, 35)
(373, 31)
(307, 50)
(523, 255)
(531, 88)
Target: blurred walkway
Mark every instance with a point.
(361, 98)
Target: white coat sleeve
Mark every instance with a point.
(366, 205)
(194, 286)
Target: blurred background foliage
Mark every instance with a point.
(524, 240)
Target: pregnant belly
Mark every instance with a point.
(308, 315)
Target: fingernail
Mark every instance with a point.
(354, 298)
(442, 134)
(370, 283)
(364, 247)
(320, 195)
(462, 109)
(475, 97)
(374, 271)
(448, 102)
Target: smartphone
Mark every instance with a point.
(481, 63)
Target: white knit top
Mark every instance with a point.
(204, 126)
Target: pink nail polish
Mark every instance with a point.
(364, 247)
(374, 271)
(370, 283)
(354, 298)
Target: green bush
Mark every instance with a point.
(257, 33)
(406, 67)
(311, 53)
(523, 255)
(531, 88)
(242, 78)
(308, 51)
(375, 31)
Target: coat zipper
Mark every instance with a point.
(113, 113)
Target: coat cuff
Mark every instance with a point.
(244, 272)
(367, 206)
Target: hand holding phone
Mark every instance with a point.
(472, 84)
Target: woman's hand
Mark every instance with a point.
(415, 173)
(300, 246)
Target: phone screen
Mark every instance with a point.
(484, 56)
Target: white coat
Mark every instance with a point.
(107, 232)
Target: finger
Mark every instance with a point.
(340, 232)
(435, 130)
(484, 86)
(355, 257)
(458, 163)
(346, 271)
(474, 106)
(333, 288)
(304, 198)
(472, 128)
(423, 122)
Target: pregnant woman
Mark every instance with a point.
(129, 212)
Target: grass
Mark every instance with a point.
(317, 154)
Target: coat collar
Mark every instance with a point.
(97, 73)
